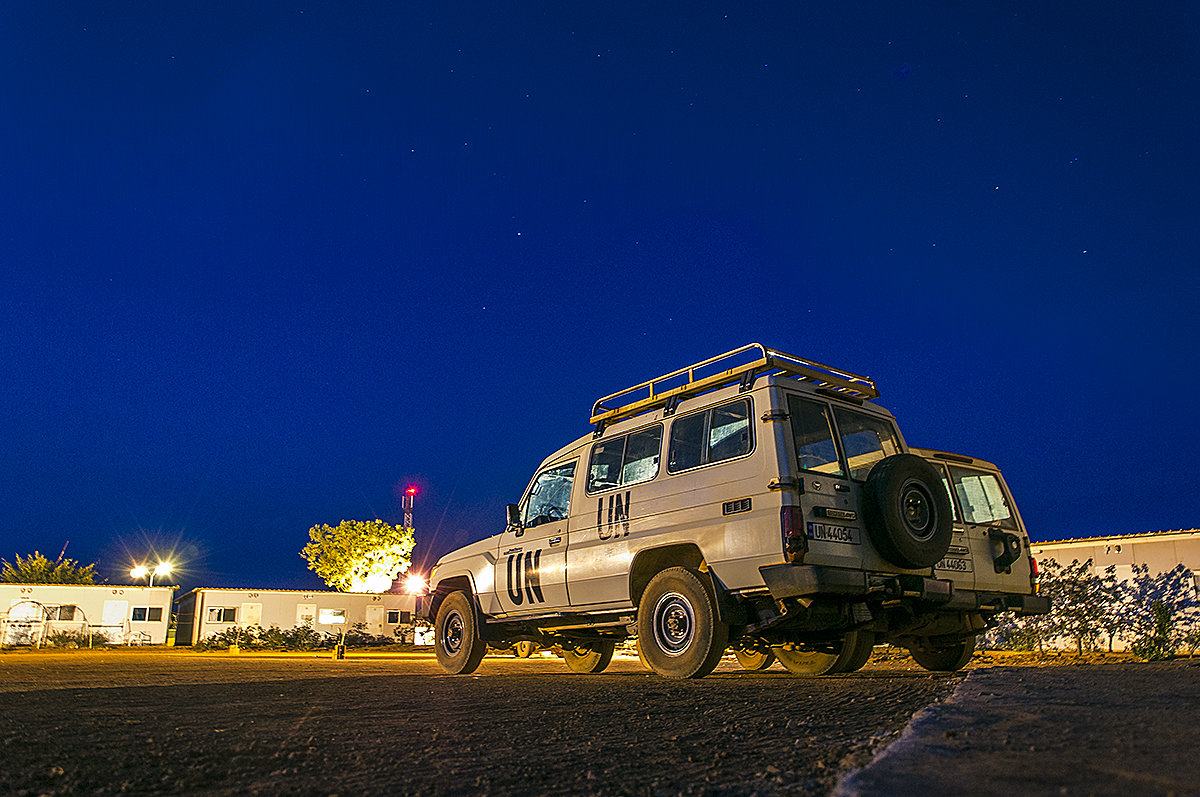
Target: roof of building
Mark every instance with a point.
(1145, 536)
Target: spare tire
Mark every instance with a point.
(907, 511)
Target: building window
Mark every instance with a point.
(66, 612)
(146, 614)
(222, 614)
(395, 617)
(332, 617)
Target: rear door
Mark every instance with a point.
(988, 519)
(962, 557)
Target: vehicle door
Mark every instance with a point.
(961, 558)
(991, 530)
(531, 568)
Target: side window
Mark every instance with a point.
(550, 497)
(865, 439)
(625, 460)
(812, 433)
(713, 436)
(982, 498)
(222, 614)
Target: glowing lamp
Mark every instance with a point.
(414, 585)
(411, 490)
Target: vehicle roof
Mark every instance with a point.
(947, 456)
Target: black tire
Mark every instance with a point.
(856, 651)
(525, 648)
(907, 512)
(947, 659)
(755, 659)
(590, 658)
(680, 635)
(846, 655)
(456, 638)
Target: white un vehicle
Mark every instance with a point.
(758, 502)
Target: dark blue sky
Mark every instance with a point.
(263, 267)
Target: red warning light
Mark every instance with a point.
(411, 490)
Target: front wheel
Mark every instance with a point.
(590, 658)
(945, 659)
(680, 635)
(456, 638)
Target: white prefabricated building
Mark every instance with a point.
(1160, 551)
(208, 610)
(31, 613)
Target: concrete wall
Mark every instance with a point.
(31, 612)
(206, 611)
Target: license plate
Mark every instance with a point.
(823, 532)
(957, 565)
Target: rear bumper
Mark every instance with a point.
(799, 581)
(806, 581)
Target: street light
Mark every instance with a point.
(141, 571)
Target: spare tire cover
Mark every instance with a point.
(907, 511)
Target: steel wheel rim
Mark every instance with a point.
(674, 624)
(452, 633)
(918, 511)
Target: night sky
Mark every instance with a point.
(264, 265)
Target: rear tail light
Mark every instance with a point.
(795, 543)
(1033, 574)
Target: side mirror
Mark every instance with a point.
(514, 516)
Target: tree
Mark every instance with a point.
(1163, 610)
(1079, 601)
(359, 555)
(37, 569)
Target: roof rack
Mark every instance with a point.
(742, 365)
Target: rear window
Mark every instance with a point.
(866, 439)
(712, 436)
(981, 498)
(812, 434)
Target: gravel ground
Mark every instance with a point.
(161, 721)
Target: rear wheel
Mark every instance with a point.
(856, 652)
(680, 635)
(945, 659)
(457, 644)
(589, 658)
(525, 648)
(847, 655)
(755, 659)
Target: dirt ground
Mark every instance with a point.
(163, 721)
(172, 721)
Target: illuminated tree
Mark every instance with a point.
(37, 569)
(359, 555)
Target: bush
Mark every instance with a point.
(302, 638)
(75, 639)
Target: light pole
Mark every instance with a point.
(408, 506)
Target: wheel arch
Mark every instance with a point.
(445, 587)
(651, 561)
